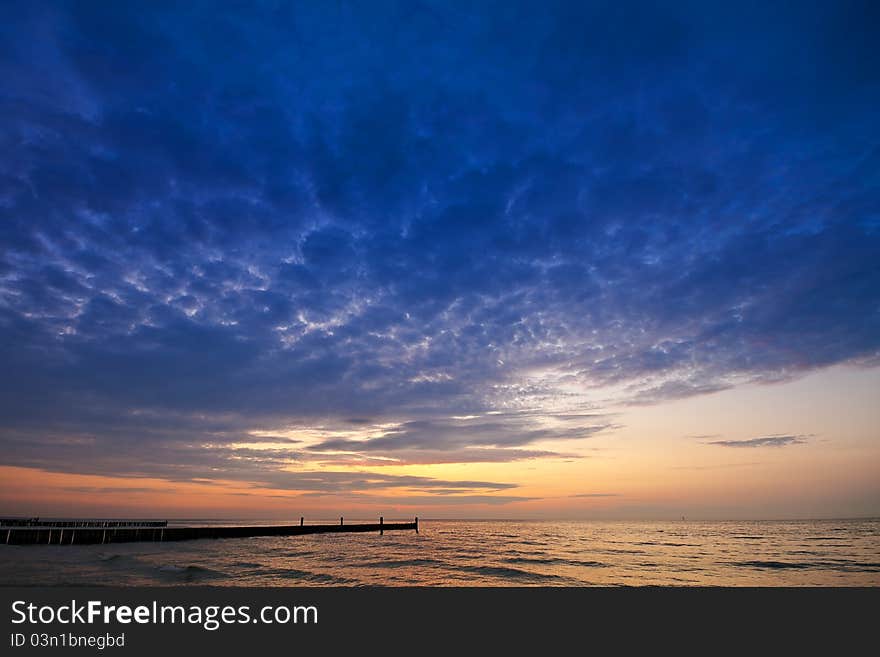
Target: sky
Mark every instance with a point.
(512, 259)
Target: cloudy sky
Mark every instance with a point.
(523, 260)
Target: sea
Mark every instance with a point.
(484, 553)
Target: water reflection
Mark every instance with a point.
(484, 553)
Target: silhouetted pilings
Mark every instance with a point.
(58, 524)
(76, 533)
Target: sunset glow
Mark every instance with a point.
(540, 264)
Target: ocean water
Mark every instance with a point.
(482, 553)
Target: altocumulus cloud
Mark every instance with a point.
(218, 221)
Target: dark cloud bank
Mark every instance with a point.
(357, 215)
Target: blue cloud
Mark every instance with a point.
(297, 215)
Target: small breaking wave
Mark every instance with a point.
(189, 573)
(513, 574)
(308, 576)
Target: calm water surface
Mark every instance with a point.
(483, 553)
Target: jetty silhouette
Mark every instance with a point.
(34, 531)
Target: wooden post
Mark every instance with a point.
(417, 524)
(301, 521)
(381, 525)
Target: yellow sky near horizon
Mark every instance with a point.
(658, 462)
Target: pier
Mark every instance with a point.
(33, 531)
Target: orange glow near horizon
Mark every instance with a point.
(663, 460)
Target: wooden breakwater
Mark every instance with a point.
(74, 533)
(63, 524)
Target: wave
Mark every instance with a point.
(308, 576)
(556, 560)
(514, 574)
(190, 573)
(621, 551)
(818, 565)
(399, 563)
